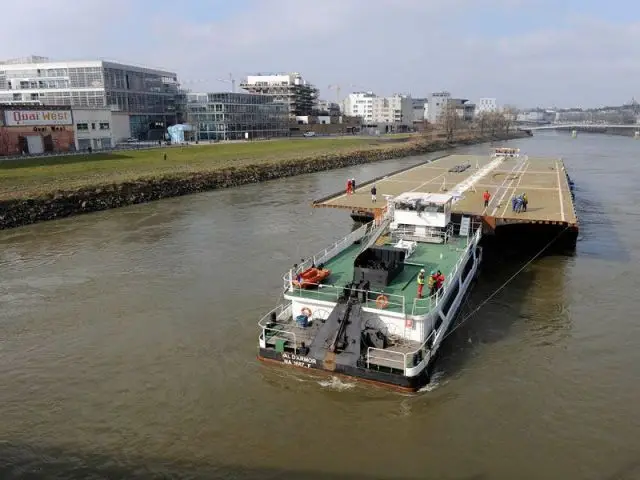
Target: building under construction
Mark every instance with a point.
(288, 88)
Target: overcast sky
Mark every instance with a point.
(525, 52)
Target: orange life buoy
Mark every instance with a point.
(408, 323)
(306, 311)
(382, 302)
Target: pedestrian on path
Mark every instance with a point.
(374, 191)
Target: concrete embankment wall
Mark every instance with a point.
(62, 204)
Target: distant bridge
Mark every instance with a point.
(592, 127)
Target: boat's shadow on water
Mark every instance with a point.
(599, 237)
(511, 289)
(19, 461)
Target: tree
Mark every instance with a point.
(482, 122)
(510, 114)
(450, 120)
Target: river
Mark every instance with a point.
(128, 345)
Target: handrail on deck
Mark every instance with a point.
(405, 355)
(394, 300)
(433, 302)
(363, 233)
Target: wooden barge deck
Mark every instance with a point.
(543, 179)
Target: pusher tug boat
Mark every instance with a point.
(353, 309)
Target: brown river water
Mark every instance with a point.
(128, 345)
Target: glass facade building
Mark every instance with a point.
(230, 116)
(148, 96)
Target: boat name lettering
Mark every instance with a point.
(298, 360)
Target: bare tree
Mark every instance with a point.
(510, 114)
(482, 122)
(450, 121)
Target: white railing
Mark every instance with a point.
(281, 312)
(331, 293)
(398, 359)
(403, 360)
(375, 233)
(269, 329)
(364, 234)
(422, 306)
(430, 233)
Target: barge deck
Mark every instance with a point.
(543, 179)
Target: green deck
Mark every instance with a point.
(426, 255)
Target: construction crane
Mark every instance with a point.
(337, 89)
(231, 80)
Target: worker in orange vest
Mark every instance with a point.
(486, 197)
(420, 282)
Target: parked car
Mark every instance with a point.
(309, 134)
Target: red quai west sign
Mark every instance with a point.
(13, 118)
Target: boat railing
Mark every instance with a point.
(282, 311)
(372, 299)
(271, 328)
(329, 252)
(376, 356)
(362, 234)
(471, 240)
(403, 360)
(423, 306)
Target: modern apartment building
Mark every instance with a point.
(236, 116)
(394, 111)
(325, 107)
(146, 95)
(437, 105)
(291, 89)
(359, 104)
(486, 105)
(420, 108)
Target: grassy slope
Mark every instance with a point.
(31, 178)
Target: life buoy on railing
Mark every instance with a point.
(306, 311)
(408, 323)
(382, 302)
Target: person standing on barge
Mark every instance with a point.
(420, 282)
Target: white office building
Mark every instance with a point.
(147, 96)
(94, 127)
(437, 105)
(486, 105)
(359, 104)
(420, 108)
(393, 111)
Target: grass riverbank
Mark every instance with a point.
(43, 176)
(35, 190)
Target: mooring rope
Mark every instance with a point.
(501, 287)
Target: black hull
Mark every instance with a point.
(399, 382)
(361, 217)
